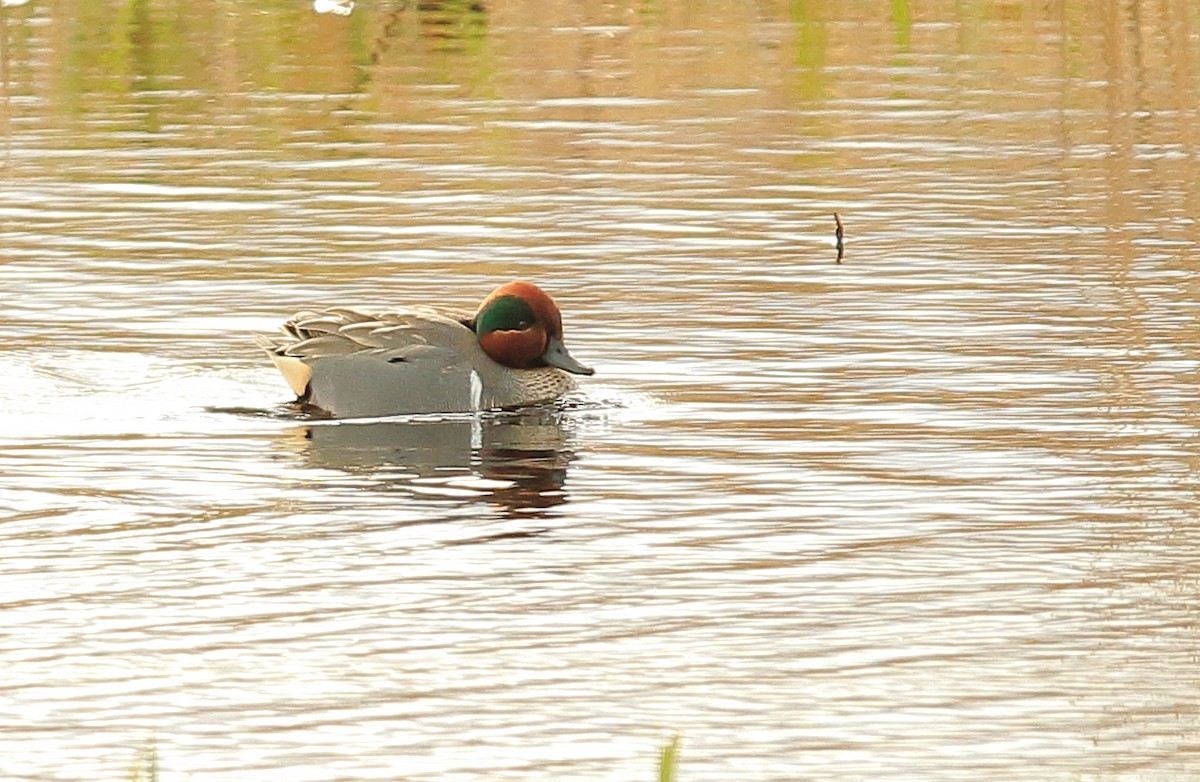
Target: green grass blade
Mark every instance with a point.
(668, 760)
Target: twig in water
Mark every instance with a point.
(841, 231)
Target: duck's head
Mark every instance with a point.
(519, 326)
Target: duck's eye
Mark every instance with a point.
(523, 324)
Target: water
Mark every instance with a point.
(927, 514)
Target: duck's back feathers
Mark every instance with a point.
(356, 364)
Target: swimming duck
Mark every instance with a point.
(354, 364)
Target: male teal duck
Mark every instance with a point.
(354, 364)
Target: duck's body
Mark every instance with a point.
(355, 364)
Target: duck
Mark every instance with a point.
(350, 363)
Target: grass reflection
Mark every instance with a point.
(145, 766)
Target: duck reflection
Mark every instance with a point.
(517, 460)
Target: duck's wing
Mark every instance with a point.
(354, 363)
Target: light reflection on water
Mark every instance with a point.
(922, 515)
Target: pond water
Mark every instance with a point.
(928, 514)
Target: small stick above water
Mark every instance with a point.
(841, 245)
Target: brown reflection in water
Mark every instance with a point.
(658, 50)
(454, 24)
(776, 67)
(522, 457)
(531, 454)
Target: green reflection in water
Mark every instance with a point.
(902, 22)
(812, 39)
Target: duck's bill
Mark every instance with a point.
(556, 355)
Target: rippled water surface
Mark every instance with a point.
(927, 514)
